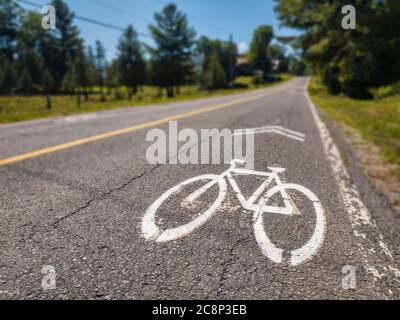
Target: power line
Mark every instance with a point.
(89, 20)
(199, 20)
(117, 9)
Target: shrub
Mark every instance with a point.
(258, 78)
(214, 76)
(330, 78)
(386, 91)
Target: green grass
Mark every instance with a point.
(378, 121)
(20, 108)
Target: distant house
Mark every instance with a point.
(243, 67)
(275, 63)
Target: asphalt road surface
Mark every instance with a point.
(75, 190)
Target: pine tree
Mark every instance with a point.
(9, 78)
(91, 69)
(70, 81)
(48, 86)
(64, 47)
(113, 77)
(25, 82)
(101, 64)
(51, 52)
(172, 63)
(48, 82)
(31, 62)
(214, 76)
(29, 58)
(9, 24)
(80, 64)
(227, 52)
(131, 62)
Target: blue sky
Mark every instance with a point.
(213, 18)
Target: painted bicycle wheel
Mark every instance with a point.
(152, 232)
(304, 253)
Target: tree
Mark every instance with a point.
(258, 53)
(8, 76)
(70, 81)
(48, 83)
(130, 61)
(363, 58)
(101, 64)
(48, 86)
(80, 63)
(113, 77)
(25, 82)
(30, 32)
(330, 78)
(296, 65)
(226, 51)
(30, 62)
(258, 78)
(29, 58)
(91, 68)
(75, 79)
(9, 24)
(214, 76)
(277, 52)
(51, 51)
(66, 45)
(172, 63)
(71, 84)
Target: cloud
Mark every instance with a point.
(243, 46)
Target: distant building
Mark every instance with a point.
(275, 63)
(243, 67)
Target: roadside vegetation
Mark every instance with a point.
(350, 62)
(377, 120)
(358, 72)
(44, 74)
(20, 108)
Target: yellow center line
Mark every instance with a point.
(111, 134)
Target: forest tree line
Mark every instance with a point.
(38, 61)
(351, 62)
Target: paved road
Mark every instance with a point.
(79, 207)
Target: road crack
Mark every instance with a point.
(227, 264)
(102, 196)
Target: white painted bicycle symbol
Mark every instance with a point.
(256, 203)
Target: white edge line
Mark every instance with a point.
(358, 212)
